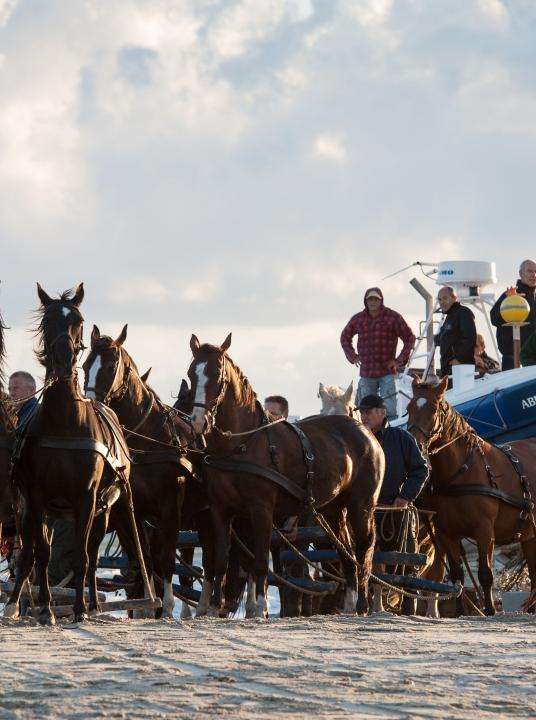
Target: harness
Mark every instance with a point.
(304, 495)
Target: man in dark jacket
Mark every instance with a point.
(457, 336)
(526, 286)
(21, 388)
(378, 329)
(406, 473)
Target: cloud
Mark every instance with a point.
(254, 166)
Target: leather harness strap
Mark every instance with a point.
(267, 473)
(79, 443)
(458, 490)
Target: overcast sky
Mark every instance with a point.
(253, 165)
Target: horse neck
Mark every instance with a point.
(234, 414)
(63, 405)
(131, 408)
(450, 457)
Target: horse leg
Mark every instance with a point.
(205, 529)
(187, 554)
(42, 557)
(453, 550)
(83, 522)
(170, 525)
(528, 547)
(98, 531)
(363, 527)
(262, 523)
(222, 538)
(485, 573)
(24, 565)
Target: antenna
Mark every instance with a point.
(413, 264)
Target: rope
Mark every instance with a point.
(314, 565)
(280, 579)
(228, 434)
(340, 546)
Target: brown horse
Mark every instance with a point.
(157, 438)
(68, 459)
(263, 471)
(478, 490)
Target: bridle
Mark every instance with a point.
(212, 409)
(78, 347)
(119, 393)
(434, 434)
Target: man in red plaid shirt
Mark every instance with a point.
(378, 329)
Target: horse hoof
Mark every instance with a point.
(261, 613)
(213, 611)
(47, 618)
(186, 612)
(362, 607)
(166, 615)
(12, 611)
(80, 617)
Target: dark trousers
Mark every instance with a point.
(507, 362)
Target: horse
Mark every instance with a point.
(260, 470)
(70, 456)
(157, 438)
(336, 401)
(478, 490)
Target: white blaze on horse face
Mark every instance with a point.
(93, 371)
(198, 414)
(65, 310)
(421, 402)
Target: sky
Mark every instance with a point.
(208, 166)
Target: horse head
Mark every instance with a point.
(424, 412)
(60, 331)
(184, 398)
(208, 381)
(335, 400)
(107, 367)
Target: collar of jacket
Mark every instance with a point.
(522, 288)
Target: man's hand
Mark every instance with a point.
(400, 502)
(513, 291)
(392, 366)
(455, 362)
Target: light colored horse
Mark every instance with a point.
(336, 401)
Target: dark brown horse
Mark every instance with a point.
(478, 490)
(157, 438)
(69, 458)
(346, 474)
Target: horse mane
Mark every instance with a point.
(246, 396)
(105, 342)
(65, 298)
(455, 425)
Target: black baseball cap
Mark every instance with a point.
(369, 402)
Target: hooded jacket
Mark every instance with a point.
(377, 339)
(505, 339)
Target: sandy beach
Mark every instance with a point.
(374, 667)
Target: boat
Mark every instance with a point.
(501, 406)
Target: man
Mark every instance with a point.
(457, 336)
(378, 329)
(21, 389)
(526, 286)
(406, 473)
(277, 406)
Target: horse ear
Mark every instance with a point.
(194, 344)
(122, 337)
(227, 342)
(45, 299)
(321, 390)
(95, 335)
(416, 382)
(185, 388)
(78, 295)
(145, 375)
(349, 392)
(442, 386)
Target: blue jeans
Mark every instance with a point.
(384, 386)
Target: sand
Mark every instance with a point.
(345, 666)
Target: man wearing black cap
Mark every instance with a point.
(405, 475)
